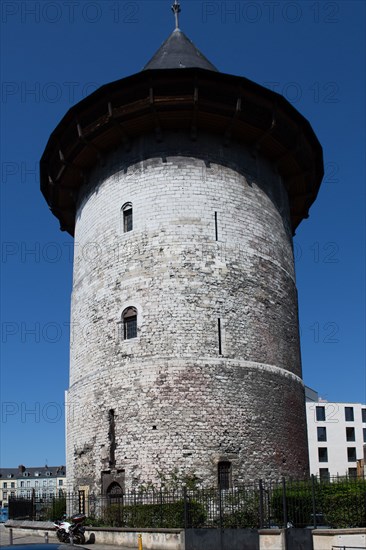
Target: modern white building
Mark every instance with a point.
(336, 434)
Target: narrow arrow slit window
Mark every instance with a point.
(127, 217)
(129, 318)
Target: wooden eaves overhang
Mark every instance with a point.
(190, 100)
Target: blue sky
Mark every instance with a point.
(55, 53)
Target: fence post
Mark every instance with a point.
(46, 537)
(313, 499)
(284, 503)
(220, 507)
(11, 542)
(261, 505)
(33, 505)
(161, 508)
(185, 507)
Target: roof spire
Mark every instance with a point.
(176, 10)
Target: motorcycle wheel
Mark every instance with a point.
(79, 538)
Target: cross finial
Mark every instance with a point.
(176, 10)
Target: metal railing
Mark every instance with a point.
(264, 504)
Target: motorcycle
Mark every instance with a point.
(71, 532)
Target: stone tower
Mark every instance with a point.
(183, 187)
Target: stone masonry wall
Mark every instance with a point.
(210, 241)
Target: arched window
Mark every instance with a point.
(129, 319)
(127, 220)
(224, 474)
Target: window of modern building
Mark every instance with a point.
(323, 454)
(322, 433)
(324, 474)
(224, 474)
(350, 434)
(129, 318)
(363, 414)
(352, 472)
(348, 414)
(320, 414)
(127, 217)
(351, 454)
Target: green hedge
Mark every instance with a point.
(344, 503)
(241, 510)
(340, 504)
(299, 504)
(165, 515)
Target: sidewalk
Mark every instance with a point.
(52, 539)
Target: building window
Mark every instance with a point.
(127, 217)
(350, 434)
(22, 483)
(364, 435)
(324, 474)
(5, 495)
(322, 434)
(323, 454)
(5, 485)
(60, 482)
(363, 414)
(352, 472)
(320, 414)
(351, 454)
(129, 318)
(348, 414)
(12, 484)
(224, 474)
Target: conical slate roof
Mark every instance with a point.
(160, 101)
(178, 52)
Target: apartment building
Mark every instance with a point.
(336, 435)
(43, 481)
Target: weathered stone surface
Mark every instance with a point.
(177, 401)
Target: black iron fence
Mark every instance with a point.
(312, 503)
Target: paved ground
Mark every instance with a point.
(29, 539)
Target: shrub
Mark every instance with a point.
(344, 503)
(165, 515)
(241, 509)
(298, 501)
